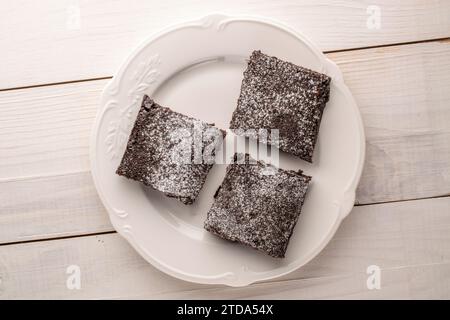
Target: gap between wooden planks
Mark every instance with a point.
(57, 41)
(409, 241)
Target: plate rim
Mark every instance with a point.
(349, 194)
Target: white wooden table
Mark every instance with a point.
(56, 56)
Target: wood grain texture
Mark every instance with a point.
(56, 41)
(411, 282)
(50, 207)
(409, 241)
(45, 131)
(405, 104)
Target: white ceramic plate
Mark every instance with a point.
(196, 68)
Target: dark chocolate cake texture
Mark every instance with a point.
(258, 205)
(160, 152)
(276, 94)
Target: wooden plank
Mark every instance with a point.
(409, 241)
(50, 207)
(45, 131)
(352, 286)
(404, 100)
(58, 41)
(412, 282)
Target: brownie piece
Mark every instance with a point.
(276, 94)
(159, 151)
(258, 205)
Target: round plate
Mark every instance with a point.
(196, 68)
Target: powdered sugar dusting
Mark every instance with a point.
(257, 209)
(276, 94)
(152, 155)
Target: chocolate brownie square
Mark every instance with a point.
(166, 151)
(258, 205)
(276, 94)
